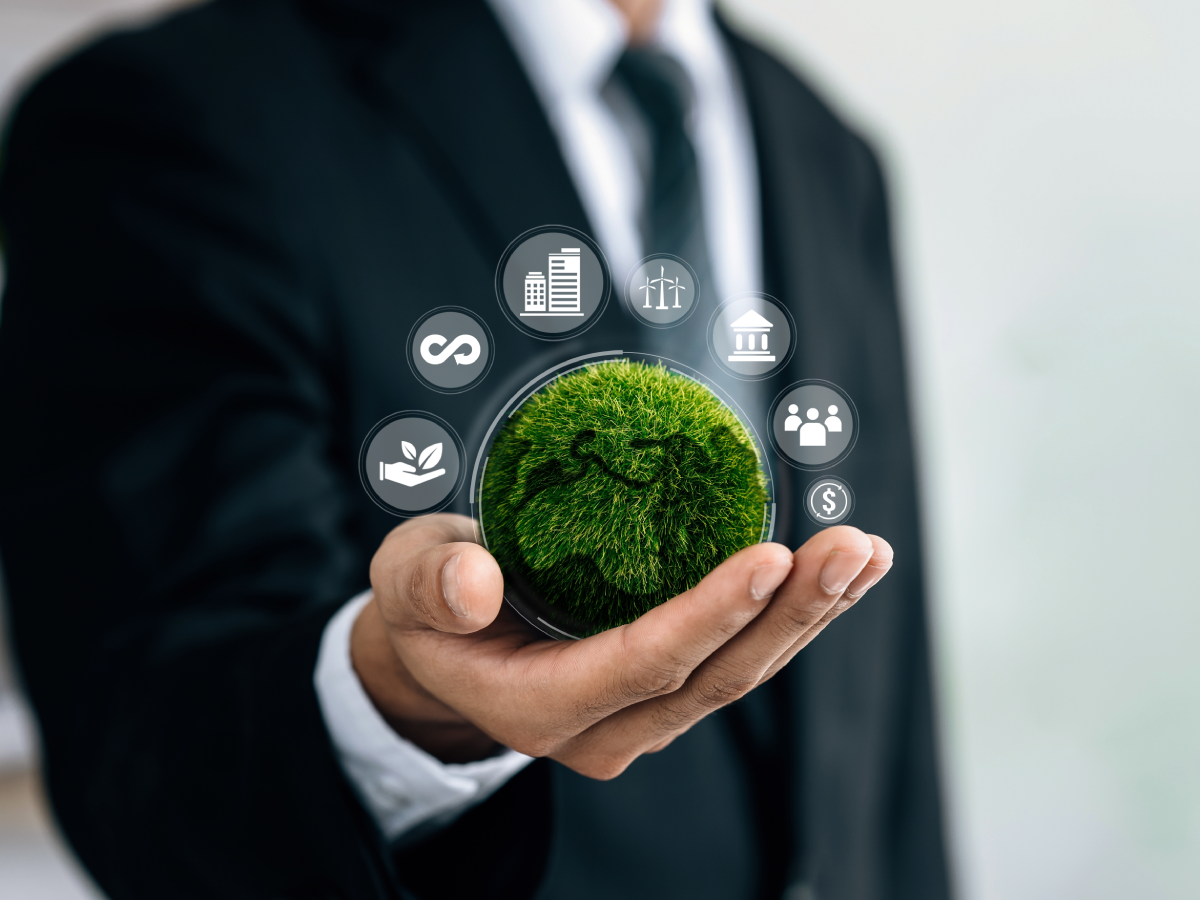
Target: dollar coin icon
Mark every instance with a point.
(829, 501)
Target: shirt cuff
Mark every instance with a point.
(401, 785)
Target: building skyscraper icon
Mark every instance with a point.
(565, 294)
(535, 293)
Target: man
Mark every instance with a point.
(219, 233)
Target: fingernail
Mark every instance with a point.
(766, 578)
(870, 584)
(452, 587)
(840, 569)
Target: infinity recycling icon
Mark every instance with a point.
(462, 359)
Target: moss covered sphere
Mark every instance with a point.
(616, 487)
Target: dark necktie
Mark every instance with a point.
(673, 210)
(673, 218)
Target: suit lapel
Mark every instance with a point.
(486, 140)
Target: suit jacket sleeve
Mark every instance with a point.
(175, 519)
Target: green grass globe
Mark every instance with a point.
(616, 487)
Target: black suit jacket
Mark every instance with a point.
(218, 233)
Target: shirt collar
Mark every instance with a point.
(569, 47)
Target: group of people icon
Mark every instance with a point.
(812, 433)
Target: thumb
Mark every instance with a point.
(430, 573)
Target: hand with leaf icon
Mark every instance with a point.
(405, 474)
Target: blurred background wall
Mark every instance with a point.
(1044, 157)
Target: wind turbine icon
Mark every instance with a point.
(646, 287)
(662, 284)
(676, 287)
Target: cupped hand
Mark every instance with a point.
(454, 671)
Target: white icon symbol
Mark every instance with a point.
(792, 422)
(828, 501)
(812, 434)
(833, 423)
(664, 284)
(563, 295)
(746, 329)
(403, 473)
(462, 359)
(535, 292)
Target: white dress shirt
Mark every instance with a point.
(568, 49)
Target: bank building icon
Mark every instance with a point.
(750, 330)
(561, 295)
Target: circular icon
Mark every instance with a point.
(553, 282)
(662, 291)
(411, 463)
(450, 349)
(814, 424)
(750, 336)
(829, 501)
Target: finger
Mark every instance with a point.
(429, 573)
(822, 571)
(878, 566)
(656, 653)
